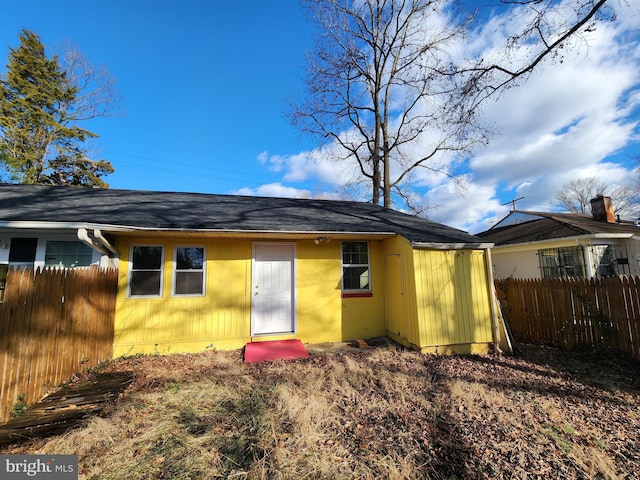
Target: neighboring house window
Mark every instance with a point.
(610, 260)
(188, 278)
(146, 271)
(355, 266)
(22, 252)
(67, 254)
(562, 262)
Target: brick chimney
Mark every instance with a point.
(602, 209)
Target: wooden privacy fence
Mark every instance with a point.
(53, 323)
(566, 313)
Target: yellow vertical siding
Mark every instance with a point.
(445, 298)
(222, 317)
(219, 319)
(318, 291)
(364, 317)
(402, 247)
(323, 315)
(453, 298)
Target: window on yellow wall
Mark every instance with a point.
(189, 271)
(355, 267)
(145, 278)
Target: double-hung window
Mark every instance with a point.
(189, 271)
(146, 271)
(355, 267)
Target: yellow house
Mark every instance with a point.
(199, 271)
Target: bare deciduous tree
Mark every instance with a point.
(386, 90)
(576, 195)
(97, 95)
(375, 89)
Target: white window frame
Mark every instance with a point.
(203, 271)
(78, 245)
(131, 270)
(355, 265)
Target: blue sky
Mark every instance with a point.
(205, 84)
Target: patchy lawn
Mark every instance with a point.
(379, 413)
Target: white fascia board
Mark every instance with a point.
(575, 240)
(451, 246)
(131, 229)
(328, 233)
(28, 225)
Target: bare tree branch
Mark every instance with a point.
(549, 28)
(374, 87)
(383, 84)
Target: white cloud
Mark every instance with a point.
(274, 190)
(565, 122)
(263, 157)
(456, 208)
(317, 166)
(560, 125)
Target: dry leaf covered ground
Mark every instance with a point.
(383, 412)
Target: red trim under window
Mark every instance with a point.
(357, 295)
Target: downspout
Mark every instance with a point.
(83, 236)
(492, 301)
(99, 243)
(98, 234)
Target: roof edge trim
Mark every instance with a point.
(450, 246)
(577, 239)
(130, 229)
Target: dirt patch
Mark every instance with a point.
(381, 412)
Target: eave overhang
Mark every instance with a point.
(451, 246)
(589, 239)
(200, 232)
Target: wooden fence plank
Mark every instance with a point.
(53, 324)
(568, 313)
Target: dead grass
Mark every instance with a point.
(379, 413)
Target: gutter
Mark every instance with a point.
(577, 239)
(97, 242)
(38, 225)
(136, 229)
(451, 246)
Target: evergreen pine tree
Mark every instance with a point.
(39, 139)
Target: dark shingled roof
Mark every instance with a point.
(152, 210)
(549, 226)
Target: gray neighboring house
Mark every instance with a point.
(563, 245)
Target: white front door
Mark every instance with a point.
(273, 298)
